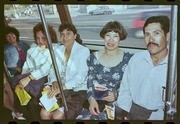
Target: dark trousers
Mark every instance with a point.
(120, 113)
(75, 102)
(136, 113)
(139, 113)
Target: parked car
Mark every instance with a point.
(140, 19)
(27, 12)
(102, 10)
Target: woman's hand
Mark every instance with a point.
(54, 90)
(24, 82)
(93, 106)
(111, 97)
(55, 86)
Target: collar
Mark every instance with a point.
(42, 48)
(74, 47)
(148, 58)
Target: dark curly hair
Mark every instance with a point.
(116, 27)
(163, 20)
(13, 30)
(39, 27)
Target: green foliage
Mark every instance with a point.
(8, 7)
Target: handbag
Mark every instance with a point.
(34, 87)
(99, 95)
(22, 95)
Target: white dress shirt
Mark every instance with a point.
(38, 62)
(76, 70)
(142, 83)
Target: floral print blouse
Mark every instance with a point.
(109, 77)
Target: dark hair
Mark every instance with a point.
(163, 20)
(72, 28)
(116, 27)
(13, 30)
(39, 27)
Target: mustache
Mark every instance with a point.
(153, 44)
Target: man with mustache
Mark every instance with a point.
(141, 91)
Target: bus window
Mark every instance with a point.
(25, 16)
(89, 20)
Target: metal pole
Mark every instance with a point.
(52, 54)
(172, 61)
(7, 72)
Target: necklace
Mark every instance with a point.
(63, 73)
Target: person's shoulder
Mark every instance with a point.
(58, 48)
(56, 45)
(142, 53)
(82, 49)
(94, 54)
(80, 46)
(139, 55)
(128, 54)
(22, 42)
(33, 44)
(9, 46)
(31, 49)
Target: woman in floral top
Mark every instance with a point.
(106, 68)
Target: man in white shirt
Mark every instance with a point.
(141, 91)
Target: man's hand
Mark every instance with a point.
(24, 82)
(93, 106)
(111, 97)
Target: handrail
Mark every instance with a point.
(52, 55)
(172, 62)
